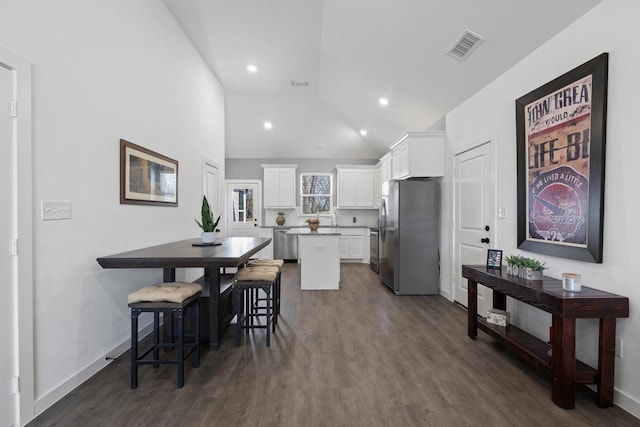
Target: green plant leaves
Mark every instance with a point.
(521, 261)
(208, 224)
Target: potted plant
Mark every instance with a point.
(314, 223)
(526, 268)
(208, 224)
(533, 269)
(512, 264)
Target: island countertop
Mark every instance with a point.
(319, 232)
(322, 225)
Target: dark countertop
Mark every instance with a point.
(286, 227)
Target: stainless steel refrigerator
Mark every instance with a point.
(410, 236)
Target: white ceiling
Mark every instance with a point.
(352, 52)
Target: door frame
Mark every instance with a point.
(221, 204)
(23, 229)
(490, 140)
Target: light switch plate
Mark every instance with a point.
(502, 213)
(56, 209)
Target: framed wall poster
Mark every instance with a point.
(561, 131)
(146, 177)
(494, 258)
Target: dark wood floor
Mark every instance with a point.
(360, 356)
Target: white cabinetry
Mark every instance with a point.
(377, 188)
(279, 186)
(385, 167)
(356, 187)
(418, 154)
(352, 243)
(267, 252)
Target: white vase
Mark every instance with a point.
(208, 236)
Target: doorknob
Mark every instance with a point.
(485, 240)
(486, 228)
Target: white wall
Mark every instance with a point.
(104, 70)
(609, 27)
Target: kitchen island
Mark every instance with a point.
(319, 255)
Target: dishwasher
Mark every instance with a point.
(285, 246)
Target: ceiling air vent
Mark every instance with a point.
(465, 44)
(296, 83)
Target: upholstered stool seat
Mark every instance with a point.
(267, 262)
(174, 300)
(248, 280)
(278, 287)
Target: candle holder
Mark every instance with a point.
(571, 282)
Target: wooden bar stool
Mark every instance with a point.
(278, 263)
(174, 299)
(247, 282)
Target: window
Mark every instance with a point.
(242, 205)
(315, 193)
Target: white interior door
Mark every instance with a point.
(211, 187)
(244, 207)
(474, 214)
(8, 274)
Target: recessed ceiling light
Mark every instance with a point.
(363, 132)
(383, 101)
(268, 125)
(252, 68)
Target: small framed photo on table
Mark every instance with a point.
(494, 258)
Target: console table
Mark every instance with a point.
(565, 308)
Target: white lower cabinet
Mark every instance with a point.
(352, 243)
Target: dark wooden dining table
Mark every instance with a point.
(232, 252)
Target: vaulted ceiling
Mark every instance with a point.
(322, 65)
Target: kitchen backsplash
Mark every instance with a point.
(344, 217)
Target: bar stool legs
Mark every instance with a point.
(182, 298)
(248, 311)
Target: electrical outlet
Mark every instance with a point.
(56, 209)
(619, 347)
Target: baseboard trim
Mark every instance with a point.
(44, 402)
(623, 401)
(627, 403)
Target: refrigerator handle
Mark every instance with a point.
(383, 220)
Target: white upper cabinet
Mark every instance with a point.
(385, 167)
(377, 187)
(357, 187)
(279, 186)
(418, 154)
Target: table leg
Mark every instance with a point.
(212, 282)
(606, 361)
(563, 361)
(472, 308)
(168, 275)
(499, 300)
